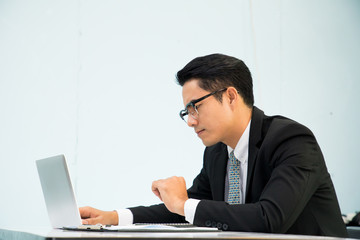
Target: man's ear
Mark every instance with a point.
(232, 94)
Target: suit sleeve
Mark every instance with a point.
(155, 214)
(296, 166)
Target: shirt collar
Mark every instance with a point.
(241, 150)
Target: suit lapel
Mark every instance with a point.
(221, 160)
(254, 139)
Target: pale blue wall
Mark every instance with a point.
(95, 80)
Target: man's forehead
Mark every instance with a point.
(192, 91)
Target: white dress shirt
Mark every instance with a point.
(241, 152)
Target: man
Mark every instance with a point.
(260, 173)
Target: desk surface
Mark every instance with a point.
(46, 234)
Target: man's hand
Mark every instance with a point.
(172, 191)
(94, 216)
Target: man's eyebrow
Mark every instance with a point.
(194, 101)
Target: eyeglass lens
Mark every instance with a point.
(191, 110)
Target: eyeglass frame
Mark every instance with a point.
(192, 103)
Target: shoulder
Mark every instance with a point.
(287, 140)
(282, 127)
(278, 138)
(274, 127)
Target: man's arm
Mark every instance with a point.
(150, 214)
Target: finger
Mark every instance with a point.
(85, 212)
(155, 189)
(157, 193)
(154, 186)
(91, 221)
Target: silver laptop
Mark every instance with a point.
(58, 192)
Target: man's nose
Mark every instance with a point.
(191, 121)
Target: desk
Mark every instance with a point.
(58, 234)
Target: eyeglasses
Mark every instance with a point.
(191, 109)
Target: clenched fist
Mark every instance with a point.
(172, 191)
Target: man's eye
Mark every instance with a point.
(197, 106)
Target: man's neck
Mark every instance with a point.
(240, 122)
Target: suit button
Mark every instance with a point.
(225, 227)
(219, 226)
(213, 224)
(208, 223)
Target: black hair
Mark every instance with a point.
(218, 71)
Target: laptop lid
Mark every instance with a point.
(58, 192)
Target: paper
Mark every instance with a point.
(160, 228)
(143, 228)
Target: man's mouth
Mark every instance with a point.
(198, 132)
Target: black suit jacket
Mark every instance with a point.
(288, 190)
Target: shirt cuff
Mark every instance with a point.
(190, 209)
(125, 217)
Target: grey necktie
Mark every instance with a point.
(235, 189)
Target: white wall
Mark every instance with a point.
(94, 80)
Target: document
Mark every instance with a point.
(143, 228)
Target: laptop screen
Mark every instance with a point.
(58, 192)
